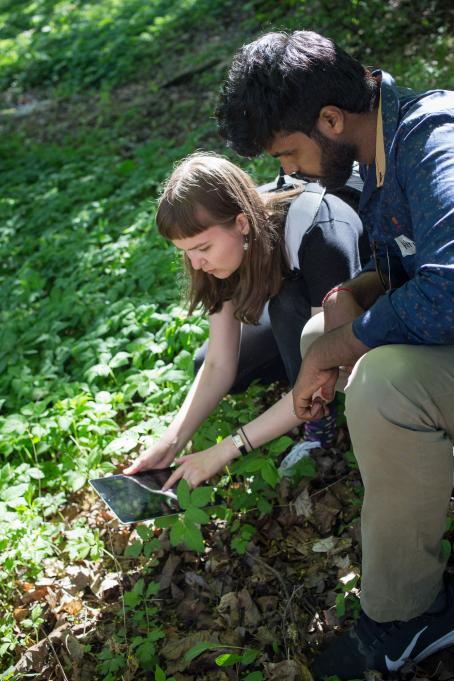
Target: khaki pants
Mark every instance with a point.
(400, 414)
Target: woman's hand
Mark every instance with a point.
(199, 467)
(159, 455)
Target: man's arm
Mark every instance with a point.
(421, 311)
(351, 299)
(366, 288)
(319, 370)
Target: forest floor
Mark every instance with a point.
(97, 102)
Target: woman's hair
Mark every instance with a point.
(222, 190)
(281, 81)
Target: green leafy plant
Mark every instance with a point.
(160, 675)
(244, 658)
(185, 527)
(96, 347)
(348, 599)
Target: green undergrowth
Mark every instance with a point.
(96, 346)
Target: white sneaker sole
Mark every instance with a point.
(443, 642)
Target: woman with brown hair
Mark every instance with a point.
(239, 250)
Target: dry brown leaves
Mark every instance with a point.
(278, 597)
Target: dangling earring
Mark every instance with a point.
(245, 243)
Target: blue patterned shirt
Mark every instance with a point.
(411, 220)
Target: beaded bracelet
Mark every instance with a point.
(336, 289)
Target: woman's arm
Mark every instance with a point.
(199, 467)
(212, 382)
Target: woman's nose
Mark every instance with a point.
(196, 260)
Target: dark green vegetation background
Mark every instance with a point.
(98, 100)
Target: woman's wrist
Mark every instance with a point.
(172, 442)
(229, 449)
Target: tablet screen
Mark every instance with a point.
(133, 498)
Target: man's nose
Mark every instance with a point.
(289, 166)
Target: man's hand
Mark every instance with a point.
(316, 382)
(313, 389)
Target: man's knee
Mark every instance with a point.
(313, 329)
(379, 375)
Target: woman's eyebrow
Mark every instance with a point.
(194, 248)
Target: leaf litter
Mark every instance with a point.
(281, 597)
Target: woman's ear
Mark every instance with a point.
(243, 223)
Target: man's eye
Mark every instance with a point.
(202, 250)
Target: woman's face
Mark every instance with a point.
(218, 250)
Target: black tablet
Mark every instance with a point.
(133, 498)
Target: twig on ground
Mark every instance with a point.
(335, 482)
(57, 658)
(120, 570)
(287, 595)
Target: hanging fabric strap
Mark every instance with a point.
(300, 218)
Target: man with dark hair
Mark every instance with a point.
(308, 103)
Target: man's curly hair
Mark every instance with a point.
(281, 81)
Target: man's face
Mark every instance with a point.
(316, 157)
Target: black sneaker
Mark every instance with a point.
(385, 647)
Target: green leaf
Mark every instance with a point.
(253, 676)
(269, 473)
(76, 480)
(131, 598)
(264, 505)
(193, 538)
(146, 653)
(248, 464)
(139, 586)
(279, 445)
(166, 521)
(119, 360)
(155, 635)
(11, 493)
(177, 533)
(200, 648)
(201, 496)
(183, 494)
(150, 547)
(145, 532)
(340, 605)
(123, 444)
(445, 549)
(15, 424)
(196, 515)
(304, 468)
(35, 473)
(227, 659)
(351, 459)
(159, 674)
(134, 549)
(152, 589)
(96, 371)
(249, 656)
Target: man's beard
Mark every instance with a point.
(336, 161)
